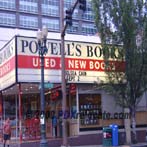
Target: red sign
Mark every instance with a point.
(72, 88)
(7, 67)
(55, 94)
(71, 63)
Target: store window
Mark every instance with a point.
(7, 19)
(28, 6)
(73, 113)
(9, 107)
(72, 101)
(7, 4)
(28, 21)
(89, 110)
(10, 110)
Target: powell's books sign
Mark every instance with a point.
(84, 61)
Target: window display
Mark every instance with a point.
(90, 109)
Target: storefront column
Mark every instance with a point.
(77, 103)
(1, 113)
(16, 115)
(1, 105)
(20, 114)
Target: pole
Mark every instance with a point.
(1, 107)
(63, 81)
(43, 142)
(16, 115)
(20, 114)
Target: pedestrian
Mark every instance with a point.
(54, 125)
(7, 132)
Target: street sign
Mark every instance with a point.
(47, 85)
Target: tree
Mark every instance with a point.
(124, 23)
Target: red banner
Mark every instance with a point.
(7, 67)
(72, 88)
(70, 63)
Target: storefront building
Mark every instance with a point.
(88, 108)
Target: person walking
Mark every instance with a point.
(7, 132)
(54, 125)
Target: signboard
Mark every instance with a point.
(47, 85)
(83, 61)
(72, 88)
(7, 65)
(55, 94)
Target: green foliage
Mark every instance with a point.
(124, 23)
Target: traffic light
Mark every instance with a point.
(56, 94)
(82, 5)
(68, 17)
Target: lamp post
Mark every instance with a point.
(42, 49)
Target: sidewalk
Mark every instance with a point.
(133, 145)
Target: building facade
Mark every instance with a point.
(33, 14)
(89, 109)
